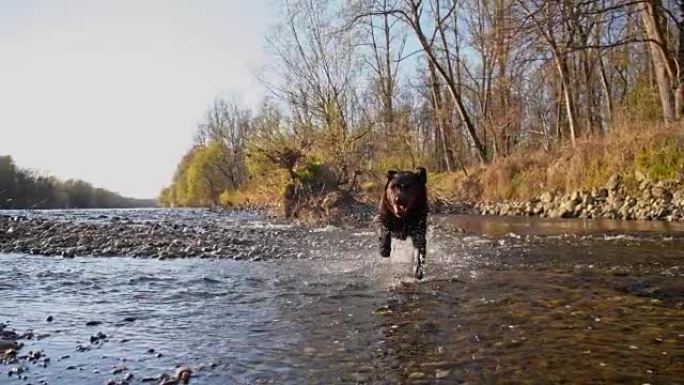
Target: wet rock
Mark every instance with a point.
(9, 344)
(9, 356)
(68, 253)
(416, 376)
(16, 371)
(93, 323)
(169, 381)
(442, 373)
(567, 209)
(98, 337)
(183, 374)
(119, 370)
(82, 348)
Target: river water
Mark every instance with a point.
(506, 301)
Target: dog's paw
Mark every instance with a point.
(419, 273)
(385, 253)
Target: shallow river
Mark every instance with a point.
(506, 301)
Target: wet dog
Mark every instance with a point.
(402, 213)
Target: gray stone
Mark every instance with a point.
(614, 182)
(439, 373)
(601, 194)
(416, 375)
(546, 197)
(576, 196)
(660, 192)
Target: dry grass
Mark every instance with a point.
(634, 151)
(263, 192)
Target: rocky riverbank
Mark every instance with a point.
(647, 201)
(214, 234)
(199, 233)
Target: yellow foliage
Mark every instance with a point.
(201, 177)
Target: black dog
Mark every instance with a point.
(403, 212)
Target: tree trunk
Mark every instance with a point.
(679, 92)
(450, 83)
(590, 120)
(662, 64)
(438, 106)
(562, 67)
(559, 112)
(606, 89)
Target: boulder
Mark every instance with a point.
(678, 198)
(601, 194)
(660, 192)
(546, 197)
(614, 182)
(576, 196)
(567, 209)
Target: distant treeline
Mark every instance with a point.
(24, 189)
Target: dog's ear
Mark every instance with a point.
(391, 174)
(422, 175)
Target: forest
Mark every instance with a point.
(28, 189)
(499, 99)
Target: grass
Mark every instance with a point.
(634, 151)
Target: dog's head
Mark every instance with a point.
(404, 189)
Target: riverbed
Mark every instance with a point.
(506, 300)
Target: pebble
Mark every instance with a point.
(439, 373)
(215, 236)
(416, 375)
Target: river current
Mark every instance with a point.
(505, 301)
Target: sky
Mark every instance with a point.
(111, 91)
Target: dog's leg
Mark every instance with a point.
(420, 243)
(385, 238)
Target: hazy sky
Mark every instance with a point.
(111, 91)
